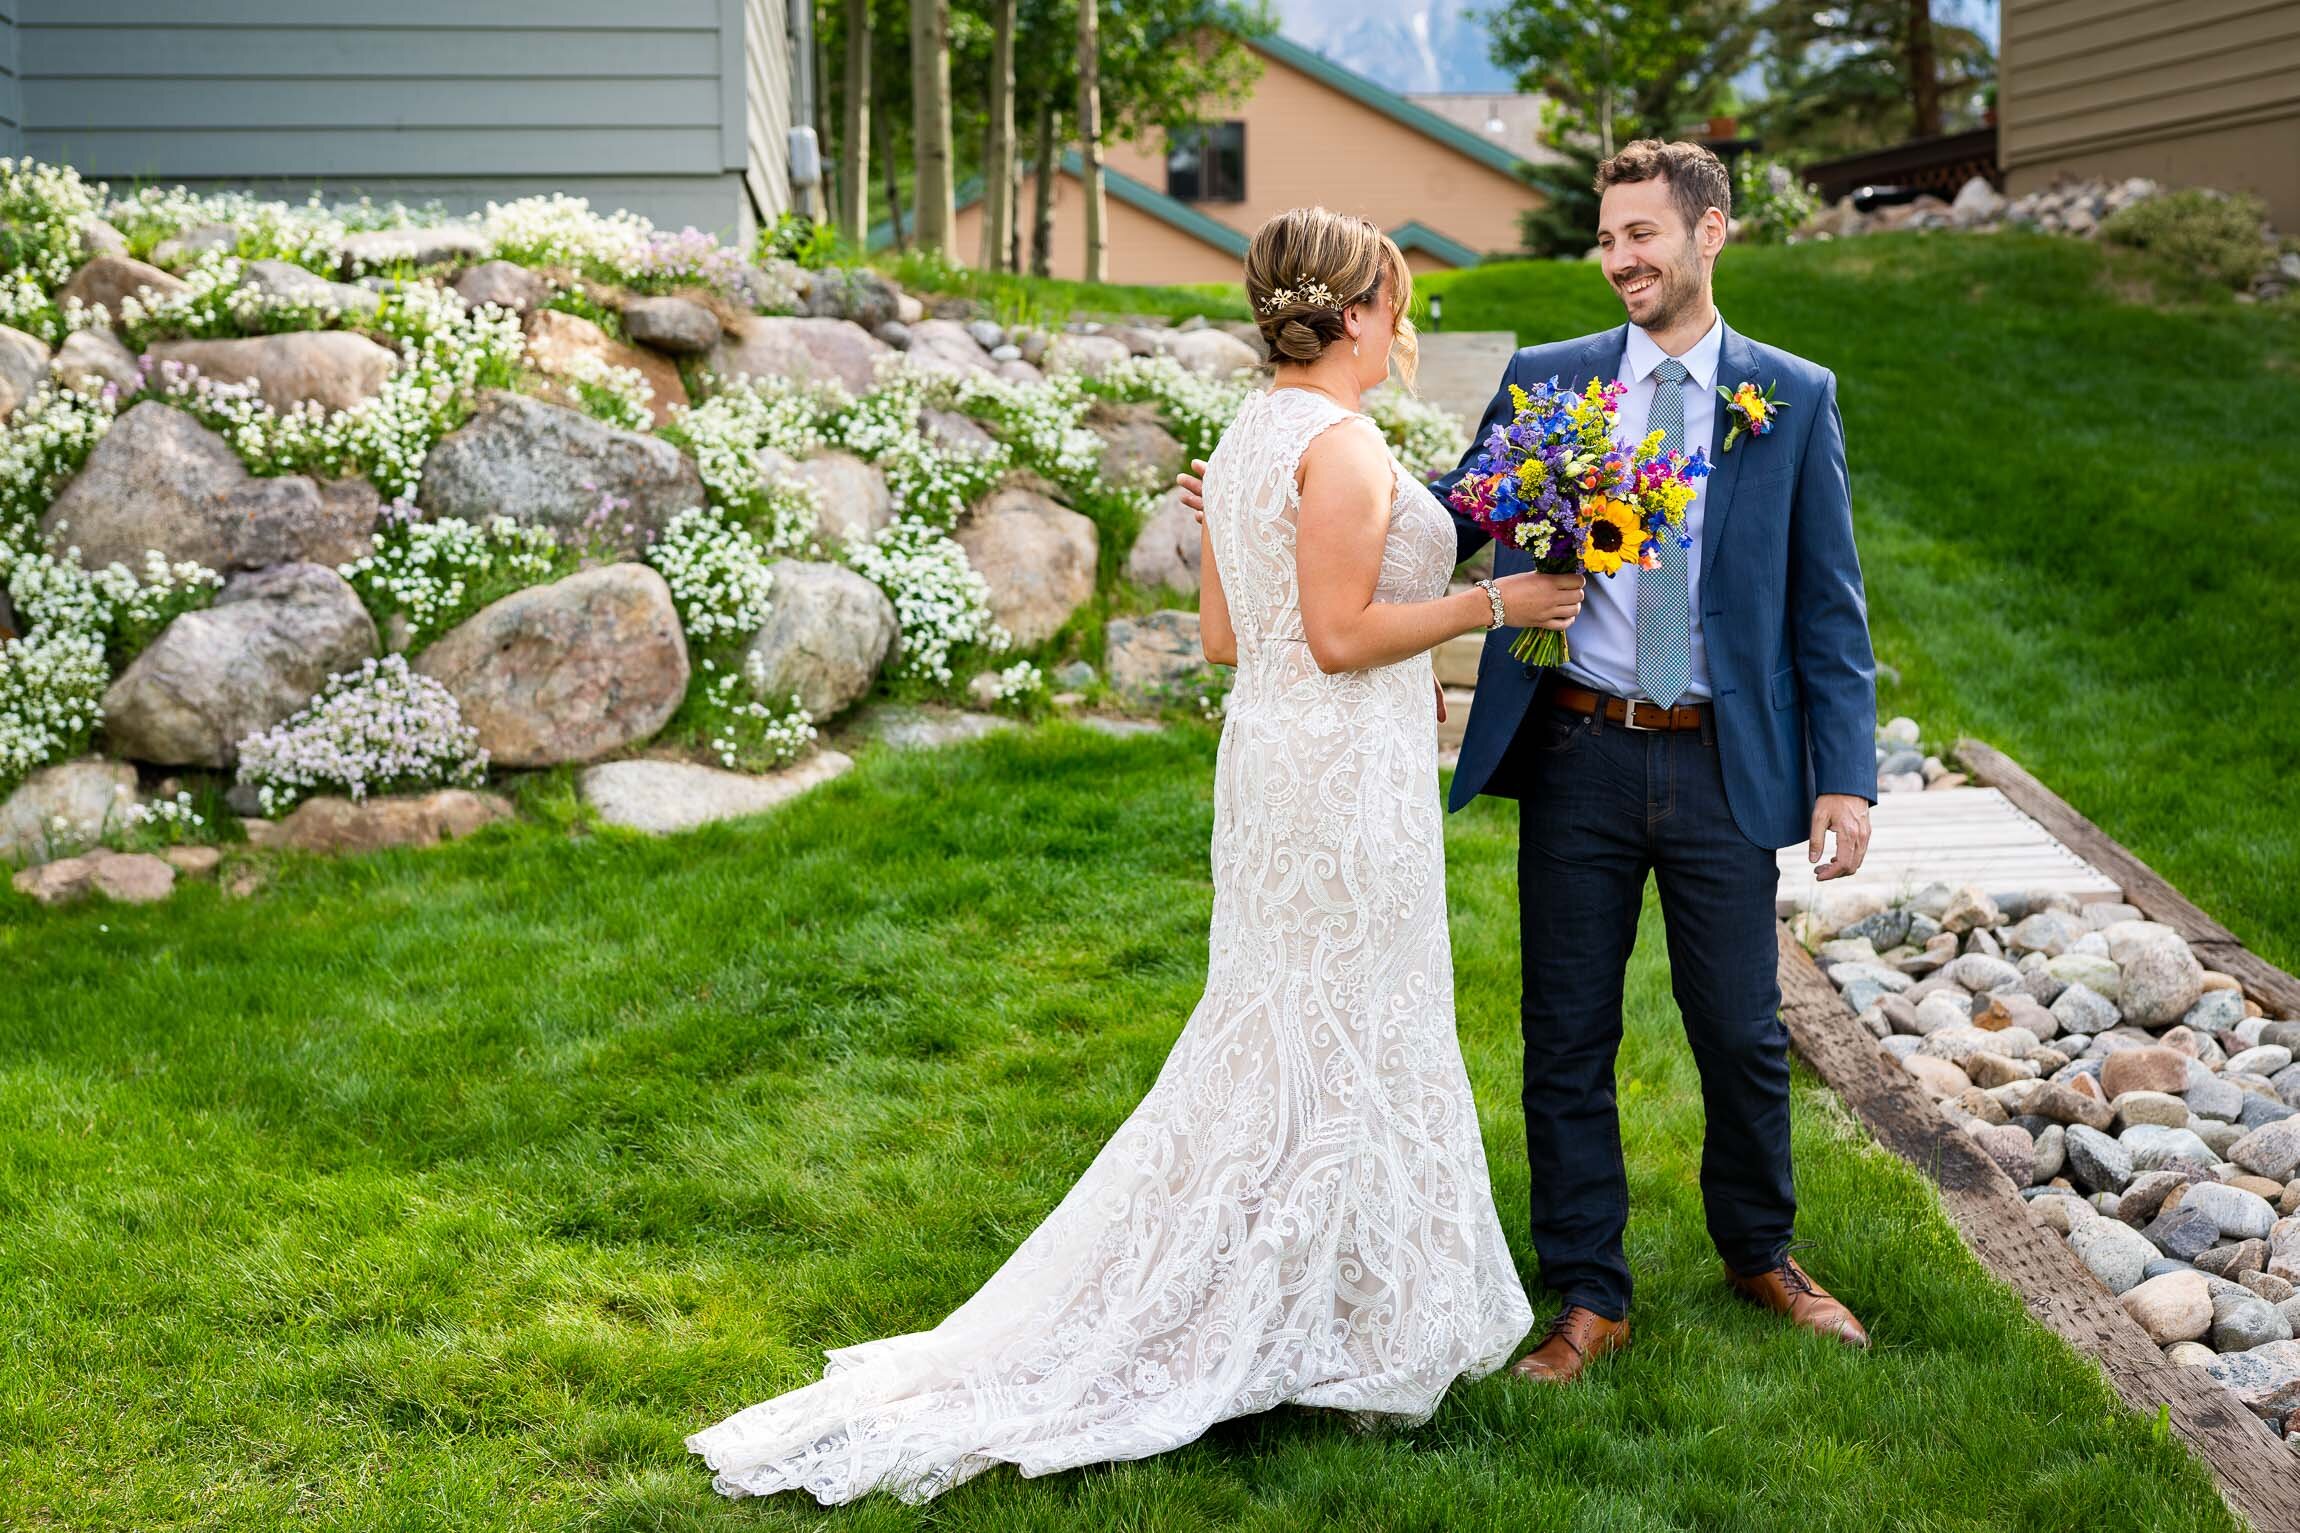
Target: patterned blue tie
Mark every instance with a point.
(1664, 613)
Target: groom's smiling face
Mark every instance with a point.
(1651, 257)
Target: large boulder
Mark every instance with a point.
(828, 631)
(1037, 557)
(855, 499)
(1167, 550)
(1146, 653)
(569, 671)
(336, 826)
(334, 369)
(945, 345)
(547, 466)
(86, 795)
(286, 280)
(562, 345)
(506, 284)
(826, 350)
(665, 796)
(677, 325)
(855, 294)
(366, 248)
(23, 363)
(107, 279)
(92, 358)
(1092, 355)
(1212, 353)
(216, 676)
(1136, 448)
(161, 480)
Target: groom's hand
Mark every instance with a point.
(1848, 815)
(1193, 488)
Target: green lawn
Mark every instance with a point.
(451, 1189)
(2078, 499)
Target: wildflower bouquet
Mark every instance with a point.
(1553, 482)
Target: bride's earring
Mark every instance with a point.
(1353, 348)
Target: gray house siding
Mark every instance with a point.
(639, 106)
(11, 112)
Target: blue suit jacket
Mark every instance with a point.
(1783, 617)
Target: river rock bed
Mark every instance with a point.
(2147, 1109)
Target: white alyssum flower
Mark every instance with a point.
(720, 578)
(51, 698)
(1428, 437)
(747, 734)
(941, 602)
(620, 396)
(46, 441)
(448, 352)
(1197, 409)
(435, 573)
(380, 729)
(927, 480)
(1018, 683)
(173, 821)
(212, 302)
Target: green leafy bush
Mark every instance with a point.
(1770, 201)
(2215, 234)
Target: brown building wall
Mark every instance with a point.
(1309, 143)
(2201, 93)
(1142, 249)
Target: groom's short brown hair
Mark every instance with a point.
(1697, 179)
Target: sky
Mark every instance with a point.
(1434, 45)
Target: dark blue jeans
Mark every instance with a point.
(1602, 807)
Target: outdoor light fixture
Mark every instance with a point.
(1437, 310)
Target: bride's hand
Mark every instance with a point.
(1193, 488)
(1539, 601)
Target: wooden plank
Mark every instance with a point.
(2253, 1467)
(1954, 836)
(2277, 992)
(2142, 885)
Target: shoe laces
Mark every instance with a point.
(1793, 1276)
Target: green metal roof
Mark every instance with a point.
(1389, 103)
(1135, 194)
(1413, 234)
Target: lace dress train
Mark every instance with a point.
(1299, 1210)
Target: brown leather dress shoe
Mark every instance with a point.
(1786, 1290)
(1577, 1338)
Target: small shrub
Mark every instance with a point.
(941, 604)
(746, 734)
(435, 574)
(719, 576)
(2211, 233)
(1770, 201)
(380, 729)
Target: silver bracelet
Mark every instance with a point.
(1493, 595)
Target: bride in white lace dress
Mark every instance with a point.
(1299, 1210)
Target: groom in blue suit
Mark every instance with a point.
(1711, 711)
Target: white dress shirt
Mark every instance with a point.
(1603, 639)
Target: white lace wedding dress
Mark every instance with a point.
(1299, 1210)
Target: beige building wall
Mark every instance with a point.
(2202, 93)
(1309, 143)
(1142, 249)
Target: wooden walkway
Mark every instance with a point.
(2257, 1474)
(1954, 836)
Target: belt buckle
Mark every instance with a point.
(1629, 718)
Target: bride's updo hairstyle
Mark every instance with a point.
(1306, 265)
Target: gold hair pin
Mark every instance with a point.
(1308, 295)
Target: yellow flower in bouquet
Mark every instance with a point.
(1616, 533)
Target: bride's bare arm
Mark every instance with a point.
(1215, 635)
(1347, 483)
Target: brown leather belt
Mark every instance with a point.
(1619, 710)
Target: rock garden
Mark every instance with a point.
(329, 527)
(2148, 1110)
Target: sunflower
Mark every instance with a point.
(1613, 539)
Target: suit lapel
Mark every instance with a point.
(1736, 365)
